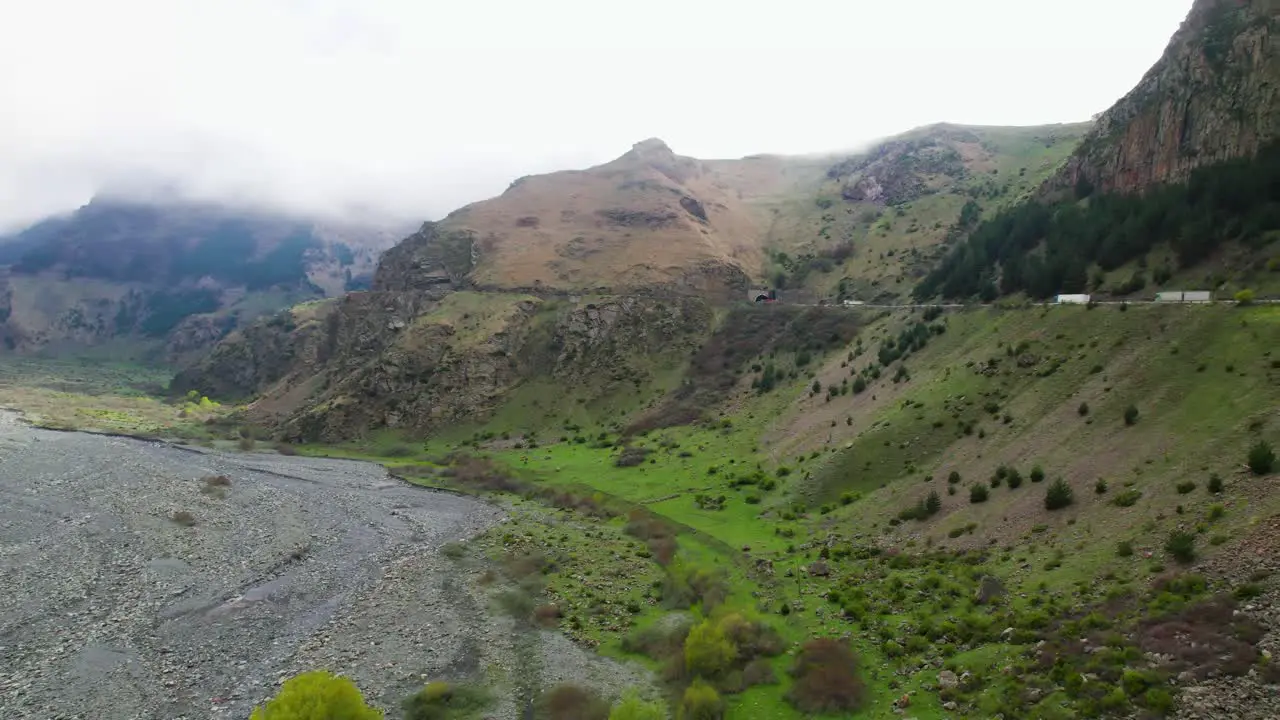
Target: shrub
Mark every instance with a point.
(707, 652)
(1037, 474)
(1182, 546)
(246, 443)
(631, 457)
(827, 678)
(286, 449)
(1262, 458)
(216, 485)
(1059, 495)
(701, 702)
(571, 702)
(1100, 487)
(183, 518)
(1216, 511)
(978, 493)
(1128, 498)
(1215, 484)
(933, 503)
(1158, 700)
(953, 478)
(1245, 297)
(547, 615)
(1083, 409)
(319, 695)
(1184, 488)
(1015, 479)
(1130, 415)
(633, 707)
(1124, 549)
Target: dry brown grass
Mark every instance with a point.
(216, 485)
(607, 226)
(572, 702)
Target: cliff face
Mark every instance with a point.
(1212, 96)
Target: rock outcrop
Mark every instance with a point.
(1214, 95)
(419, 360)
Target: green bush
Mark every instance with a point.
(1158, 701)
(701, 702)
(978, 494)
(1184, 488)
(1130, 415)
(1014, 479)
(953, 478)
(1037, 474)
(1100, 487)
(1083, 409)
(632, 707)
(317, 695)
(1124, 549)
(933, 503)
(1182, 546)
(1128, 498)
(1245, 297)
(1262, 458)
(1215, 484)
(1059, 495)
(707, 651)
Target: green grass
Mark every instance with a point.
(1054, 564)
(113, 397)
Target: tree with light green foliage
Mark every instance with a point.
(317, 695)
(701, 702)
(707, 651)
(633, 707)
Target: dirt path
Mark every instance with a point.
(113, 609)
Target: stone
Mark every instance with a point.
(989, 589)
(948, 679)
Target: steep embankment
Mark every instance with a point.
(141, 276)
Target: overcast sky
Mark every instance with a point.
(416, 107)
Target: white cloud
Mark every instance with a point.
(417, 107)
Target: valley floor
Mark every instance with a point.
(135, 587)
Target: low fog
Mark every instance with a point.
(410, 108)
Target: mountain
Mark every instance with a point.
(1173, 187)
(1015, 511)
(1211, 97)
(604, 279)
(176, 273)
(649, 219)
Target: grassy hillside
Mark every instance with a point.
(879, 219)
(794, 503)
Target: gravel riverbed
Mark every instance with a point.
(112, 608)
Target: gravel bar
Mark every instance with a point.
(131, 589)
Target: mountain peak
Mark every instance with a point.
(652, 144)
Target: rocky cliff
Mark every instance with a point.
(416, 361)
(1212, 96)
